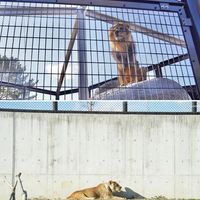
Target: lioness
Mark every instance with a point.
(124, 53)
(103, 191)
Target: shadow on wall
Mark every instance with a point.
(129, 194)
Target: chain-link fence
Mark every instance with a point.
(104, 106)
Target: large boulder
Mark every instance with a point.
(154, 89)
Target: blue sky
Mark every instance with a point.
(43, 55)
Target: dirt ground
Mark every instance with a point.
(65, 199)
(153, 198)
(60, 199)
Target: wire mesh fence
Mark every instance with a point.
(103, 106)
(73, 52)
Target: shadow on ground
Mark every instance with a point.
(129, 194)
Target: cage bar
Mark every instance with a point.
(62, 51)
(83, 80)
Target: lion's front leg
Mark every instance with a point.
(132, 74)
(121, 77)
(128, 75)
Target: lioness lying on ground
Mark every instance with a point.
(102, 191)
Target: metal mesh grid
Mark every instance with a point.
(104, 106)
(198, 106)
(55, 51)
(26, 105)
(91, 106)
(179, 106)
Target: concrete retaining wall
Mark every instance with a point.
(59, 153)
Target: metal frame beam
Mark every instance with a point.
(193, 53)
(25, 10)
(97, 2)
(168, 62)
(193, 13)
(82, 57)
(30, 88)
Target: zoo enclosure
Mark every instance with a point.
(152, 155)
(64, 50)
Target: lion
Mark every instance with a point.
(103, 191)
(124, 53)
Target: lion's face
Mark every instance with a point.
(121, 31)
(114, 186)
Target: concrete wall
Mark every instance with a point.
(59, 153)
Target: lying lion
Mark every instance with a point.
(102, 191)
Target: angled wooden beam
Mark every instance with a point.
(67, 56)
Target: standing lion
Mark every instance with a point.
(124, 53)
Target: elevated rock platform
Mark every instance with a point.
(154, 89)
